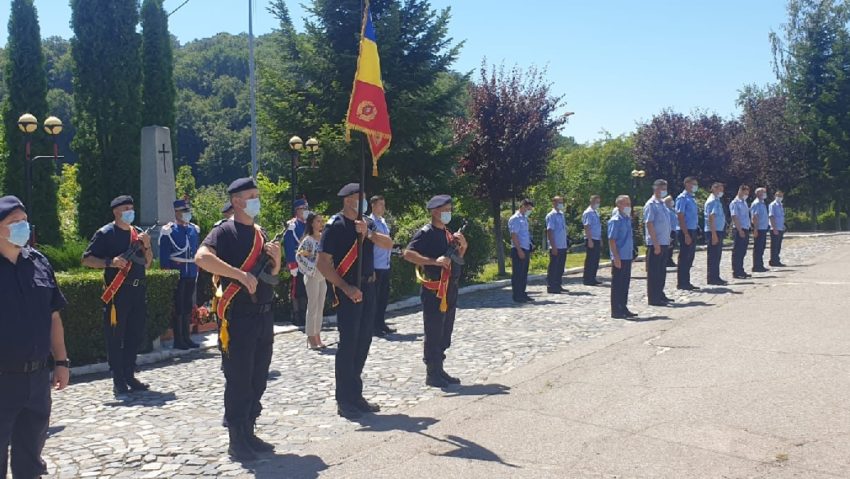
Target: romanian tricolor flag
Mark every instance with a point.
(367, 109)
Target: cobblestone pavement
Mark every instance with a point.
(176, 431)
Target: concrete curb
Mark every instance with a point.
(210, 340)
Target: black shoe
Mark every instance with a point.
(597, 283)
(239, 448)
(618, 315)
(672, 265)
(120, 392)
(554, 291)
(529, 298)
(630, 314)
(689, 287)
(379, 333)
(365, 406)
(718, 282)
(520, 300)
(348, 411)
(434, 378)
(659, 303)
(780, 265)
(449, 379)
(254, 442)
(180, 345)
(192, 344)
(668, 300)
(389, 330)
(761, 270)
(135, 385)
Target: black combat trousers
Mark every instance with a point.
(776, 247)
(555, 271)
(382, 292)
(519, 273)
(739, 251)
(298, 293)
(438, 325)
(24, 417)
(686, 259)
(620, 279)
(355, 326)
(184, 304)
(759, 245)
(591, 262)
(656, 274)
(123, 339)
(246, 363)
(715, 252)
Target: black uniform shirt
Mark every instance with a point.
(338, 237)
(432, 242)
(29, 295)
(110, 242)
(232, 243)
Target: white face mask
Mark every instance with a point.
(560, 207)
(718, 195)
(595, 206)
(527, 213)
(186, 216)
(663, 193)
(252, 207)
(779, 199)
(694, 188)
(762, 196)
(304, 214)
(446, 217)
(627, 210)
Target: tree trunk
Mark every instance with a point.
(814, 218)
(496, 210)
(837, 216)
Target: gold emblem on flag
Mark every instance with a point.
(366, 110)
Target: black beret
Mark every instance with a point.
(299, 203)
(121, 201)
(349, 189)
(8, 204)
(227, 207)
(438, 201)
(181, 205)
(242, 184)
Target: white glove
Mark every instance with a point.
(293, 272)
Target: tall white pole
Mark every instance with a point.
(253, 87)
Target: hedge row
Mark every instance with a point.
(83, 317)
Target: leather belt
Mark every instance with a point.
(22, 367)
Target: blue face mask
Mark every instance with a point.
(252, 207)
(446, 217)
(364, 205)
(19, 233)
(186, 217)
(128, 216)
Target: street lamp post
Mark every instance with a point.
(28, 124)
(637, 175)
(295, 146)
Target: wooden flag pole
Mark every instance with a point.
(360, 211)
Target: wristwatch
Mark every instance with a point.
(65, 362)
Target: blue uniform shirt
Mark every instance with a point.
(178, 242)
(777, 212)
(674, 220)
(760, 208)
(518, 224)
(557, 225)
(294, 232)
(29, 295)
(657, 213)
(686, 204)
(713, 206)
(382, 256)
(738, 209)
(591, 218)
(620, 230)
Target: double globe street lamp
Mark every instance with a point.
(28, 124)
(295, 146)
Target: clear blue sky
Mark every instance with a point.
(617, 61)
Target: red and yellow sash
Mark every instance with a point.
(223, 302)
(441, 286)
(345, 265)
(109, 293)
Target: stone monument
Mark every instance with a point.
(157, 175)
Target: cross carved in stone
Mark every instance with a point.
(164, 152)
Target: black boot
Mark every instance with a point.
(239, 448)
(434, 378)
(257, 444)
(187, 335)
(449, 379)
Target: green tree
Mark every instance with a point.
(812, 62)
(305, 84)
(26, 83)
(157, 67)
(185, 182)
(68, 197)
(107, 79)
(509, 135)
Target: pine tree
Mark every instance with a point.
(157, 67)
(107, 79)
(26, 83)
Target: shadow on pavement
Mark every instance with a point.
(145, 398)
(649, 318)
(286, 465)
(467, 449)
(689, 304)
(54, 430)
(401, 338)
(719, 291)
(578, 293)
(477, 390)
(394, 422)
